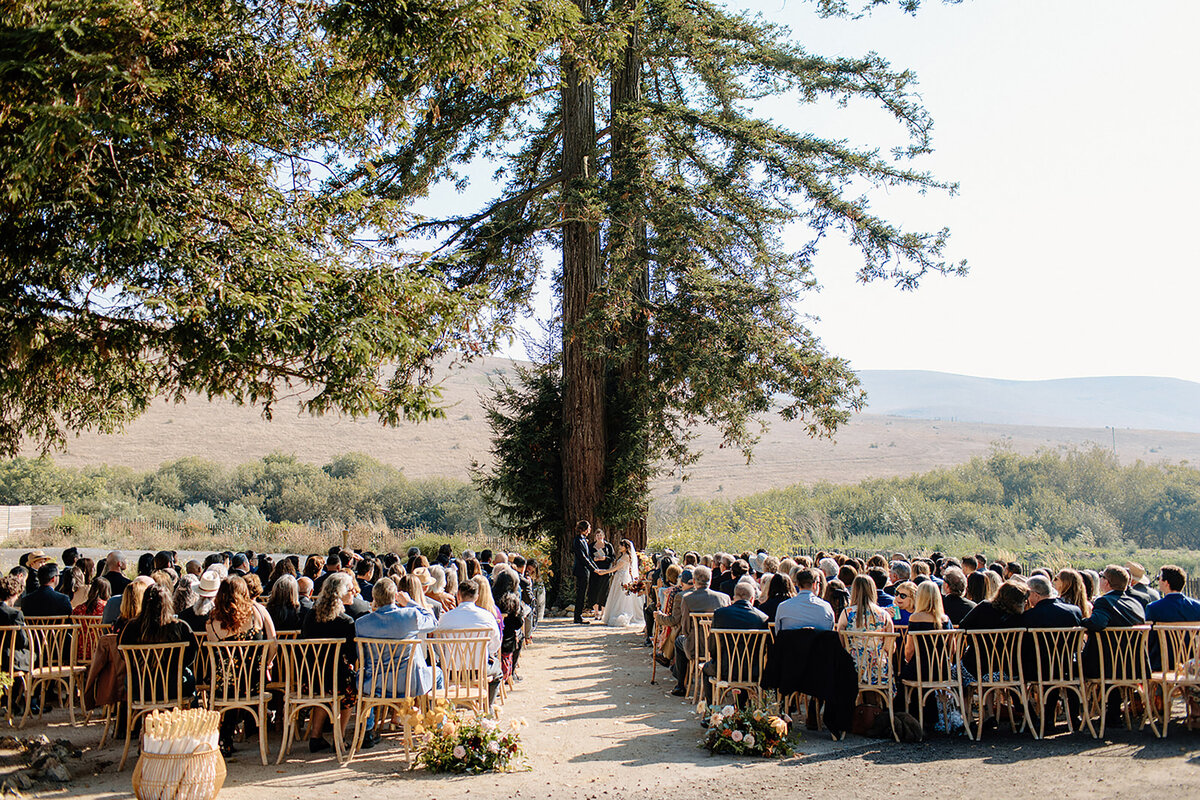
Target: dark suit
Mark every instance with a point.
(46, 601)
(1112, 610)
(697, 601)
(584, 566)
(738, 616)
(956, 607)
(1173, 607)
(1049, 613)
(1143, 593)
(13, 618)
(117, 581)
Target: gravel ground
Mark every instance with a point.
(600, 731)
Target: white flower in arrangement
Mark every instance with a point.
(702, 708)
(716, 720)
(488, 724)
(460, 752)
(749, 740)
(494, 746)
(736, 736)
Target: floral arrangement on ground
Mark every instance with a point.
(751, 731)
(465, 741)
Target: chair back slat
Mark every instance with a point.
(461, 655)
(156, 667)
(1179, 649)
(52, 645)
(1123, 653)
(936, 652)
(311, 668)
(872, 654)
(236, 671)
(740, 655)
(996, 655)
(701, 624)
(391, 664)
(91, 628)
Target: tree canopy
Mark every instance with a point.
(175, 218)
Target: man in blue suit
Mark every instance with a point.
(740, 615)
(1174, 606)
(395, 616)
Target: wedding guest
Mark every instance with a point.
(155, 623)
(114, 567)
(304, 586)
(1071, 588)
(512, 635)
(46, 601)
(905, 603)
(129, 603)
(11, 587)
(872, 656)
(329, 620)
(97, 597)
(779, 590)
(738, 615)
(700, 600)
(467, 614)
(395, 616)
(806, 609)
(1114, 608)
(196, 616)
(284, 604)
(954, 586)
(1139, 584)
(235, 617)
(927, 615)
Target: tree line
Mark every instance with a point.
(1071, 501)
(274, 489)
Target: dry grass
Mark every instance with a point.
(869, 447)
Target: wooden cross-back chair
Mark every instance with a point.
(1179, 652)
(310, 668)
(699, 626)
(999, 677)
(1056, 655)
(739, 657)
(10, 640)
(153, 681)
(91, 628)
(936, 656)
(393, 663)
(52, 648)
(872, 652)
(462, 657)
(1125, 669)
(237, 675)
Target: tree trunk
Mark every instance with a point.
(583, 368)
(630, 273)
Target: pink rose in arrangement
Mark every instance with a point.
(460, 752)
(737, 736)
(749, 740)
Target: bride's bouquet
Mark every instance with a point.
(751, 731)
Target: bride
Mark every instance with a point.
(622, 607)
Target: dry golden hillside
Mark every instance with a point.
(870, 446)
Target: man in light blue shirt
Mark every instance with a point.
(805, 610)
(395, 616)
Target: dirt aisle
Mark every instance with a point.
(599, 731)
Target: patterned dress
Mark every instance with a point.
(873, 661)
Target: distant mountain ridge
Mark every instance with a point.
(1145, 403)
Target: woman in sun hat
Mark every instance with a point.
(197, 616)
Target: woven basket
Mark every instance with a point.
(191, 776)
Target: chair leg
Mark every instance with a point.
(262, 733)
(132, 718)
(336, 720)
(357, 736)
(289, 723)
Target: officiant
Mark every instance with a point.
(602, 553)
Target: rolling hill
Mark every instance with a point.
(893, 439)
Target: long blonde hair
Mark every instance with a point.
(1074, 592)
(131, 600)
(483, 594)
(929, 600)
(329, 602)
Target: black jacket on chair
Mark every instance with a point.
(814, 663)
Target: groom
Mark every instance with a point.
(584, 567)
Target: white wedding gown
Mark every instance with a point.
(623, 608)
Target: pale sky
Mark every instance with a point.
(1071, 127)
